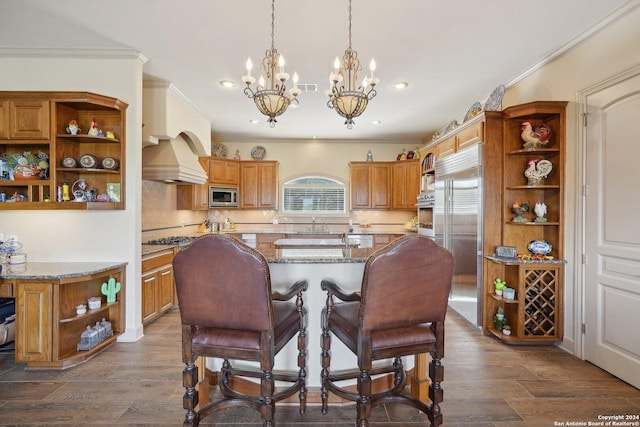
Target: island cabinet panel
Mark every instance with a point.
(158, 284)
(48, 327)
(370, 185)
(34, 315)
(259, 185)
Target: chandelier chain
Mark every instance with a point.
(349, 24)
(273, 19)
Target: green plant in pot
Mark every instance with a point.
(506, 329)
(499, 285)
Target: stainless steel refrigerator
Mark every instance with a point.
(458, 226)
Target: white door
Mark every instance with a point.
(612, 229)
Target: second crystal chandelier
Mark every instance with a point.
(346, 95)
(271, 97)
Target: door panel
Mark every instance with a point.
(612, 237)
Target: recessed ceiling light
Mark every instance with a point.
(254, 121)
(400, 85)
(376, 122)
(227, 84)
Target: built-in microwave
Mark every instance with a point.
(223, 197)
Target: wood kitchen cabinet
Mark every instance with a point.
(37, 122)
(48, 327)
(406, 184)
(259, 185)
(223, 172)
(24, 119)
(370, 185)
(196, 196)
(158, 285)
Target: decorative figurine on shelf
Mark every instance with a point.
(540, 210)
(237, 155)
(535, 137)
(369, 156)
(110, 135)
(110, 289)
(93, 130)
(73, 128)
(537, 170)
(518, 210)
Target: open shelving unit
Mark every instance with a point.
(38, 121)
(536, 313)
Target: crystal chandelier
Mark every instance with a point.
(345, 96)
(271, 97)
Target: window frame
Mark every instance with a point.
(337, 183)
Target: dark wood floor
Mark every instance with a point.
(487, 384)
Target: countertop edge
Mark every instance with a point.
(56, 270)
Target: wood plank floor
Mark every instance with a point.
(487, 384)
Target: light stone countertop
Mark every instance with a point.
(55, 270)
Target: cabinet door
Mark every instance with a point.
(29, 119)
(446, 147)
(231, 174)
(380, 186)
(34, 315)
(268, 185)
(360, 176)
(259, 185)
(4, 119)
(149, 296)
(470, 136)
(249, 185)
(166, 288)
(405, 184)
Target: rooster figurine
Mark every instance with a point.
(93, 129)
(540, 210)
(535, 137)
(537, 170)
(519, 209)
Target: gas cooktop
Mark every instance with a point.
(172, 240)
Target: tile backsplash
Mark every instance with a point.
(160, 218)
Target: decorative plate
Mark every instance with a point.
(495, 99)
(539, 247)
(110, 163)
(451, 126)
(88, 161)
(473, 111)
(69, 162)
(220, 150)
(258, 152)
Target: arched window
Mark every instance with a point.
(313, 195)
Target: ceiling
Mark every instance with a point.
(451, 53)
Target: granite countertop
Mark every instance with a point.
(55, 270)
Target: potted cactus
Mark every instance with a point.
(499, 285)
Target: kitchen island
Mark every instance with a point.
(49, 323)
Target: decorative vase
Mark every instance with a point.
(26, 172)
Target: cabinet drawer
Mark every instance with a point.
(470, 136)
(6, 290)
(155, 260)
(446, 147)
